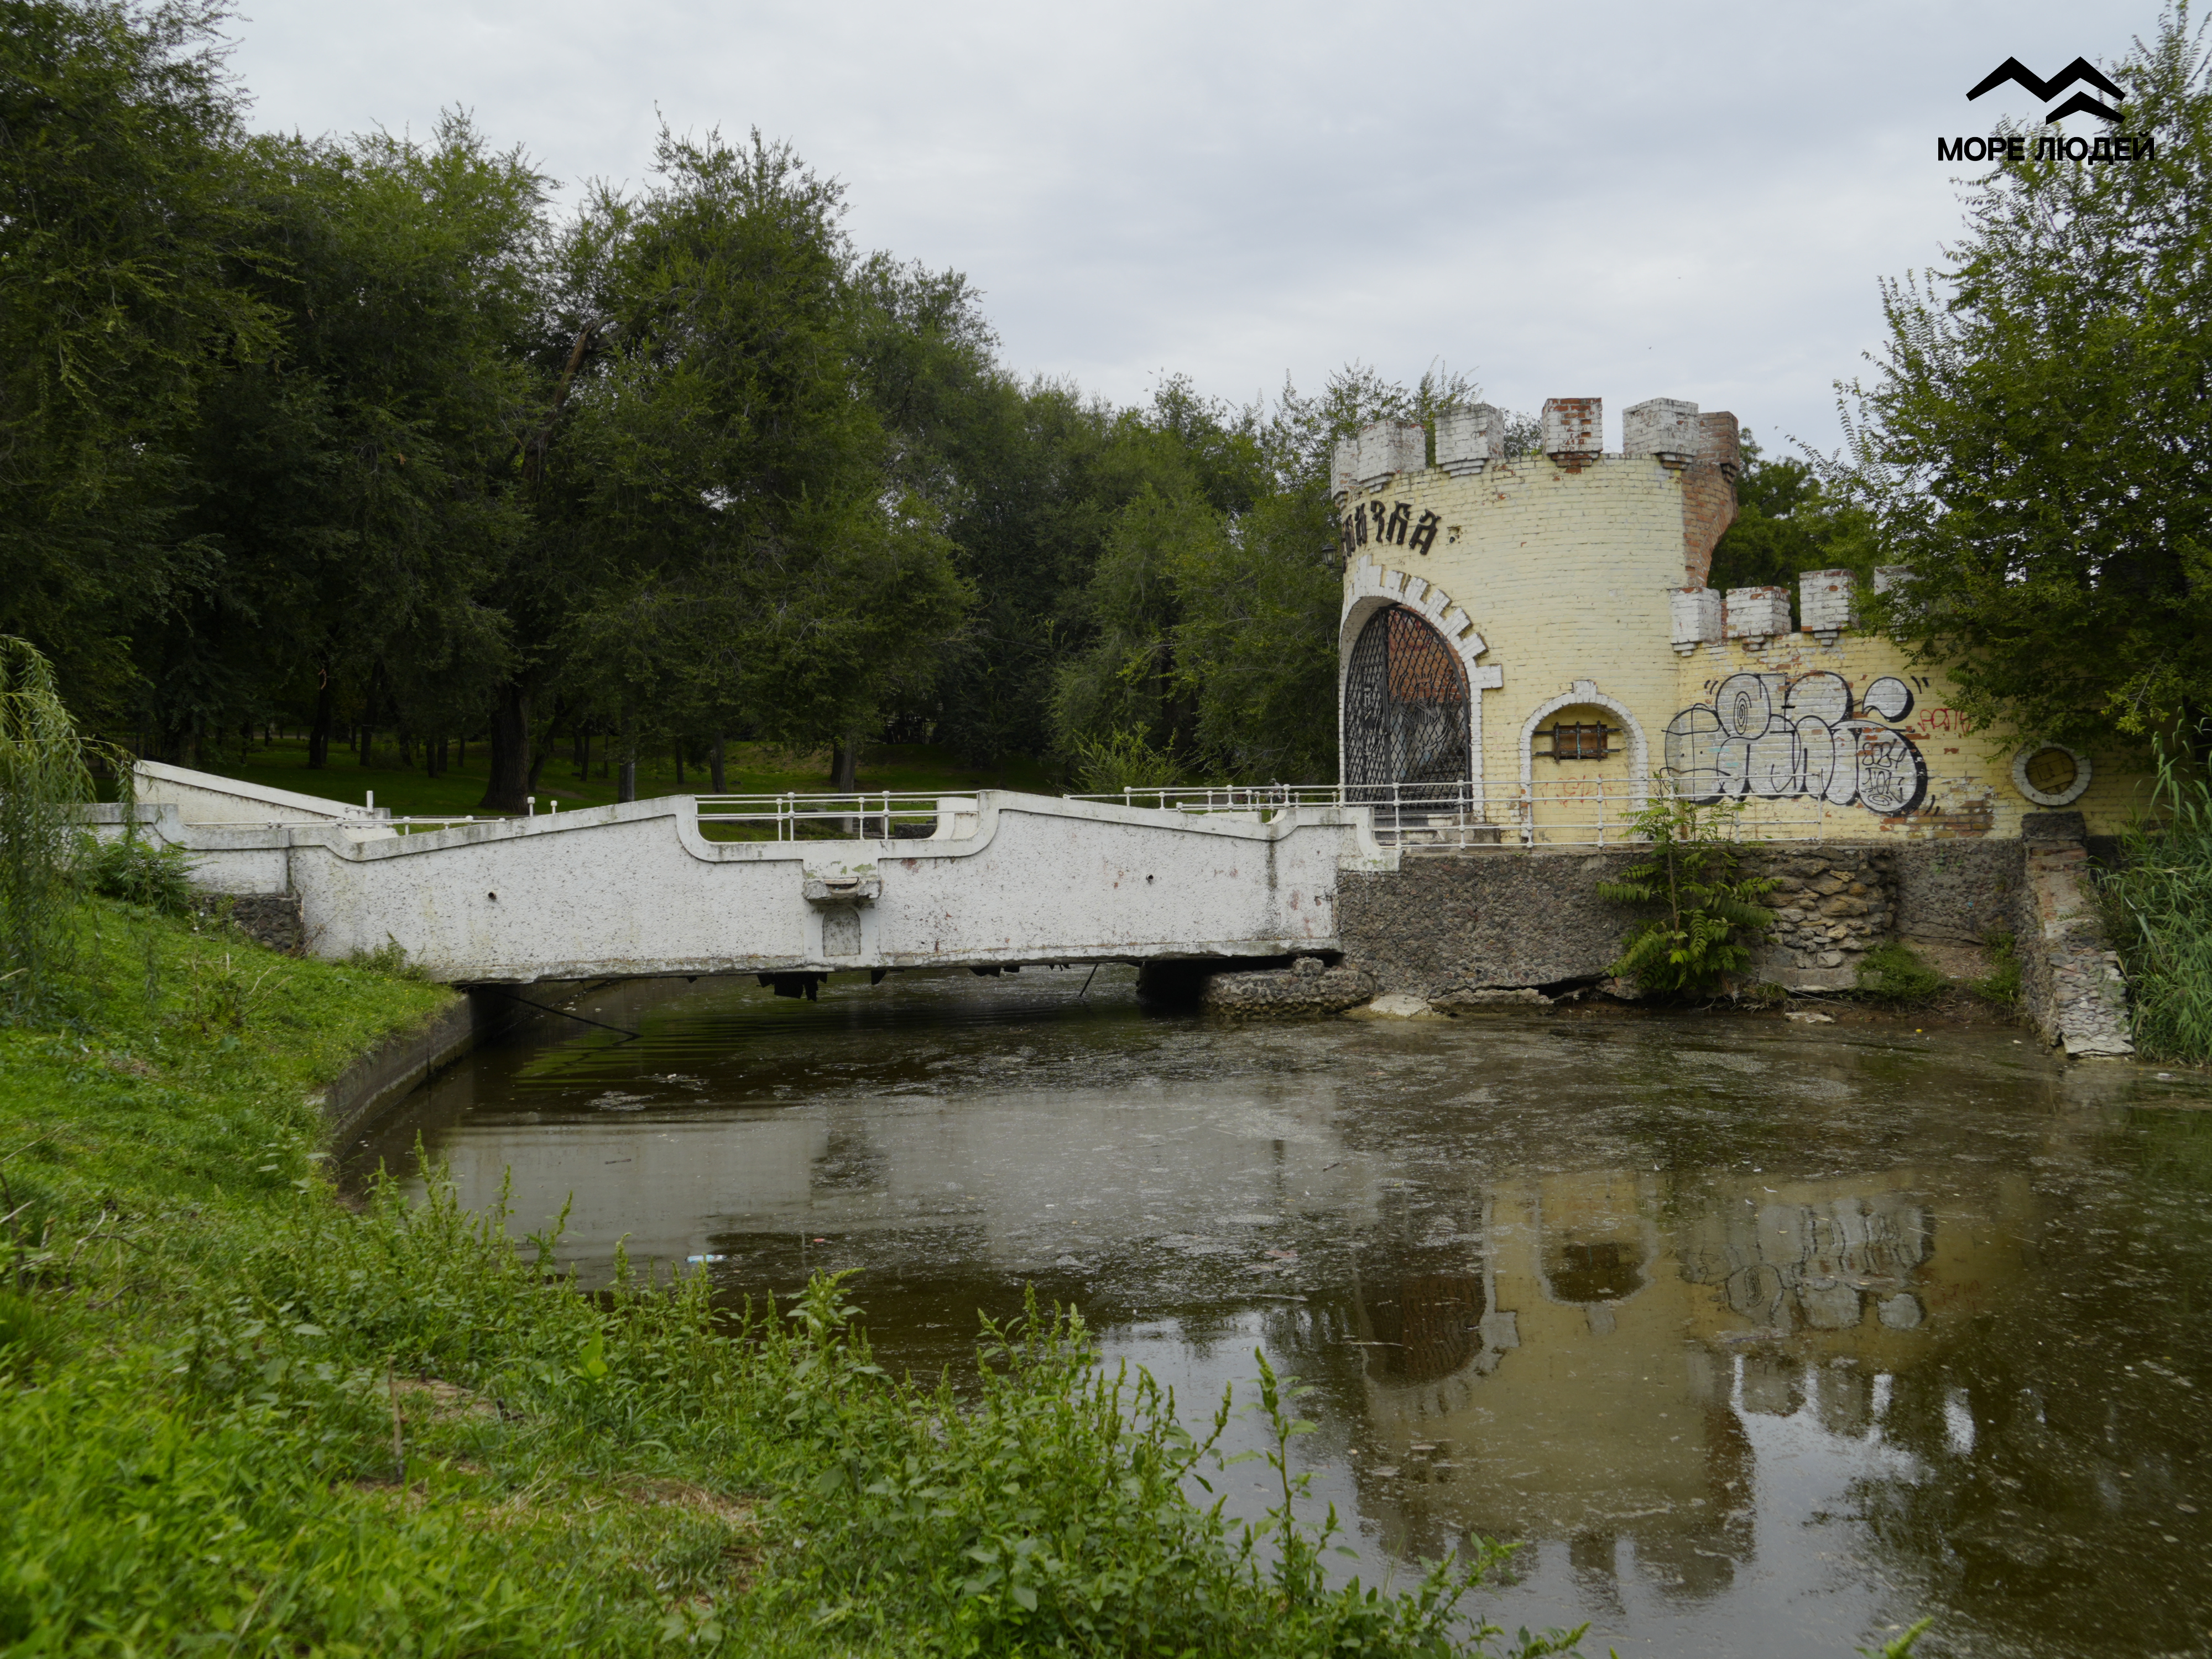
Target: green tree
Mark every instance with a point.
(2035, 446)
(121, 230)
(723, 509)
(1701, 907)
(1787, 523)
(357, 487)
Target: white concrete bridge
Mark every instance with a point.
(641, 890)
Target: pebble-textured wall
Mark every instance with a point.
(268, 919)
(1440, 925)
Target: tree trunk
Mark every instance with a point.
(510, 752)
(714, 760)
(583, 752)
(845, 766)
(626, 787)
(318, 734)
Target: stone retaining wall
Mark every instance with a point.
(1831, 905)
(400, 1064)
(1505, 921)
(2070, 980)
(1308, 986)
(269, 919)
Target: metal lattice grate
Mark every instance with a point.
(1405, 705)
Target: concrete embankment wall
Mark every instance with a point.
(401, 1063)
(1453, 928)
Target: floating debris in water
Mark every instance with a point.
(616, 1101)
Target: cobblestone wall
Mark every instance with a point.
(1831, 905)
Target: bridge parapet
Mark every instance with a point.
(639, 890)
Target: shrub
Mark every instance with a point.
(1893, 973)
(137, 871)
(1126, 760)
(1691, 946)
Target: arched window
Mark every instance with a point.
(1405, 705)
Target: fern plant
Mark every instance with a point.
(1704, 907)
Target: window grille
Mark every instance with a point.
(1405, 705)
(1578, 742)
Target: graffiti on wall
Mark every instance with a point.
(1768, 736)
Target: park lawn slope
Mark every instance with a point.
(238, 1414)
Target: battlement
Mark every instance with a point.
(1669, 430)
(1701, 452)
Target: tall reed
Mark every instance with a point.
(2159, 906)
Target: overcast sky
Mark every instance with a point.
(1691, 200)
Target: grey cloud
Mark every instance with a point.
(1620, 201)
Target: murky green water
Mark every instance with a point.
(1767, 1338)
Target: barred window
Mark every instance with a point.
(1578, 742)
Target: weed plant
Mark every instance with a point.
(1893, 972)
(1695, 941)
(2001, 985)
(43, 778)
(238, 1415)
(139, 871)
(2158, 908)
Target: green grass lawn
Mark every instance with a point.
(751, 770)
(242, 1414)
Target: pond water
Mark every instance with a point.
(1767, 1339)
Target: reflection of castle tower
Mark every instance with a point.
(1594, 1411)
(1617, 1416)
(1779, 1264)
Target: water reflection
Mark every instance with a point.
(1765, 1340)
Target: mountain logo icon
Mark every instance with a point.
(2081, 103)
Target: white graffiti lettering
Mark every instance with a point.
(1767, 737)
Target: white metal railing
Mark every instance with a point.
(1575, 812)
(875, 814)
(1568, 812)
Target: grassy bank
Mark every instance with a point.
(238, 1415)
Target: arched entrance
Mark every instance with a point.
(1405, 708)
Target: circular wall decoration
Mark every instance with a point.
(2049, 774)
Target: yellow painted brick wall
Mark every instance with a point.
(1567, 573)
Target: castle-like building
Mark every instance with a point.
(1529, 647)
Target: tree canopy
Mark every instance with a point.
(369, 435)
(2034, 444)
